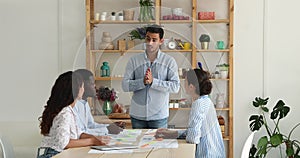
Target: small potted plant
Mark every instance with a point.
(138, 33)
(223, 69)
(204, 40)
(113, 16)
(107, 96)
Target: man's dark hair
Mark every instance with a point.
(84, 73)
(156, 29)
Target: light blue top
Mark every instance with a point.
(85, 120)
(204, 130)
(151, 102)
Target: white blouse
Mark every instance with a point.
(62, 130)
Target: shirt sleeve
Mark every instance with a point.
(63, 132)
(197, 115)
(94, 127)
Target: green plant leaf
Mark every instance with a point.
(280, 110)
(265, 109)
(262, 146)
(256, 122)
(289, 149)
(260, 102)
(276, 139)
(252, 152)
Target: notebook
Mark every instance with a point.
(115, 147)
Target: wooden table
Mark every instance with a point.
(105, 120)
(184, 150)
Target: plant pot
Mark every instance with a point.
(128, 14)
(204, 45)
(224, 74)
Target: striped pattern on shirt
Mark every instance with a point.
(204, 130)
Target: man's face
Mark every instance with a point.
(89, 87)
(153, 42)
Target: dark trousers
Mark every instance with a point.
(48, 152)
(152, 124)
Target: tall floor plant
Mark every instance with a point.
(274, 138)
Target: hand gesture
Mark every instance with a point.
(115, 128)
(148, 79)
(166, 134)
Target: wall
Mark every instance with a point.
(29, 64)
(266, 39)
(40, 39)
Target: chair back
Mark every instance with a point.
(247, 146)
(6, 147)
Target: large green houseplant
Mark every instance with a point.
(274, 138)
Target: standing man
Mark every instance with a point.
(151, 76)
(85, 120)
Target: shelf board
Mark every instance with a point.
(175, 21)
(137, 51)
(213, 50)
(120, 22)
(108, 78)
(120, 78)
(225, 137)
(179, 108)
(219, 79)
(153, 21)
(213, 21)
(176, 50)
(222, 109)
(218, 109)
(117, 51)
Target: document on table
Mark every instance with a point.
(115, 147)
(94, 151)
(122, 141)
(127, 136)
(149, 141)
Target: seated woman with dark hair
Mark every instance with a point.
(203, 127)
(58, 121)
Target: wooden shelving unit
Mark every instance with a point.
(195, 51)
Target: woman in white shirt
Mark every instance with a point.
(58, 121)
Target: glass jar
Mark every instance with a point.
(105, 70)
(106, 107)
(220, 100)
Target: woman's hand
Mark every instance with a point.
(102, 140)
(166, 133)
